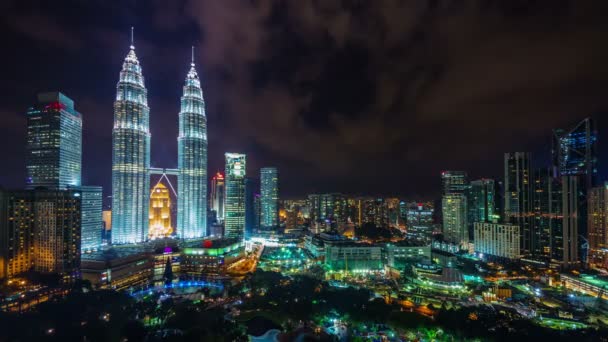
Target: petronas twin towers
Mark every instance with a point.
(131, 157)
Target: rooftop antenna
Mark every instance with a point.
(132, 40)
(192, 63)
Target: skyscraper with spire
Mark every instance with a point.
(130, 155)
(192, 160)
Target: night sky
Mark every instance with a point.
(362, 97)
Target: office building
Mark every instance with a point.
(119, 269)
(518, 206)
(575, 155)
(454, 182)
(252, 209)
(54, 143)
(420, 222)
(547, 213)
(130, 155)
(160, 213)
(192, 160)
(212, 257)
(455, 229)
(497, 240)
(354, 257)
(481, 197)
(269, 191)
(571, 189)
(598, 226)
(92, 217)
(234, 219)
(216, 199)
(401, 254)
(575, 151)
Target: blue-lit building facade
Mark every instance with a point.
(269, 190)
(575, 156)
(234, 211)
(192, 161)
(131, 155)
(92, 217)
(54, 143)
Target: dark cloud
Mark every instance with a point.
(342, 95)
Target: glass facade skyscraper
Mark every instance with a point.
(518, 206)
(216, 199)
(54, 143)
(453, 182)
(234, 219)
(269, 190)
(92, 217)
(575, 155)
(192, 161)
(131, 155)
(575, 151)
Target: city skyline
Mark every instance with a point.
(166, 48)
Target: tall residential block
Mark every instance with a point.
(234, 220)
(455, 228)
(54, 143)
(130, 155)
(41, 232)
(192, 160)
(269, 191)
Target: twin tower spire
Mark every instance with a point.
(131, 157)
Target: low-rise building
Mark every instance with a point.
(354, 257)
(119, 268)
(587, 284)
(398, 254)
(210, 257)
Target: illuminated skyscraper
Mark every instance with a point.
(455, 229)
(518, 206)
(453, 182)
(252, 213)
(192, 160)
(92, 217)
(234, 218)
(41, 231)
(481, 196)
(575, 151)
(571, 188)
(420, 221)
(54, 143)
(218, 192)
(575, 155)
(547, 209)
(598, 226)
(131, 155)
(160, 212)
(269, 190)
